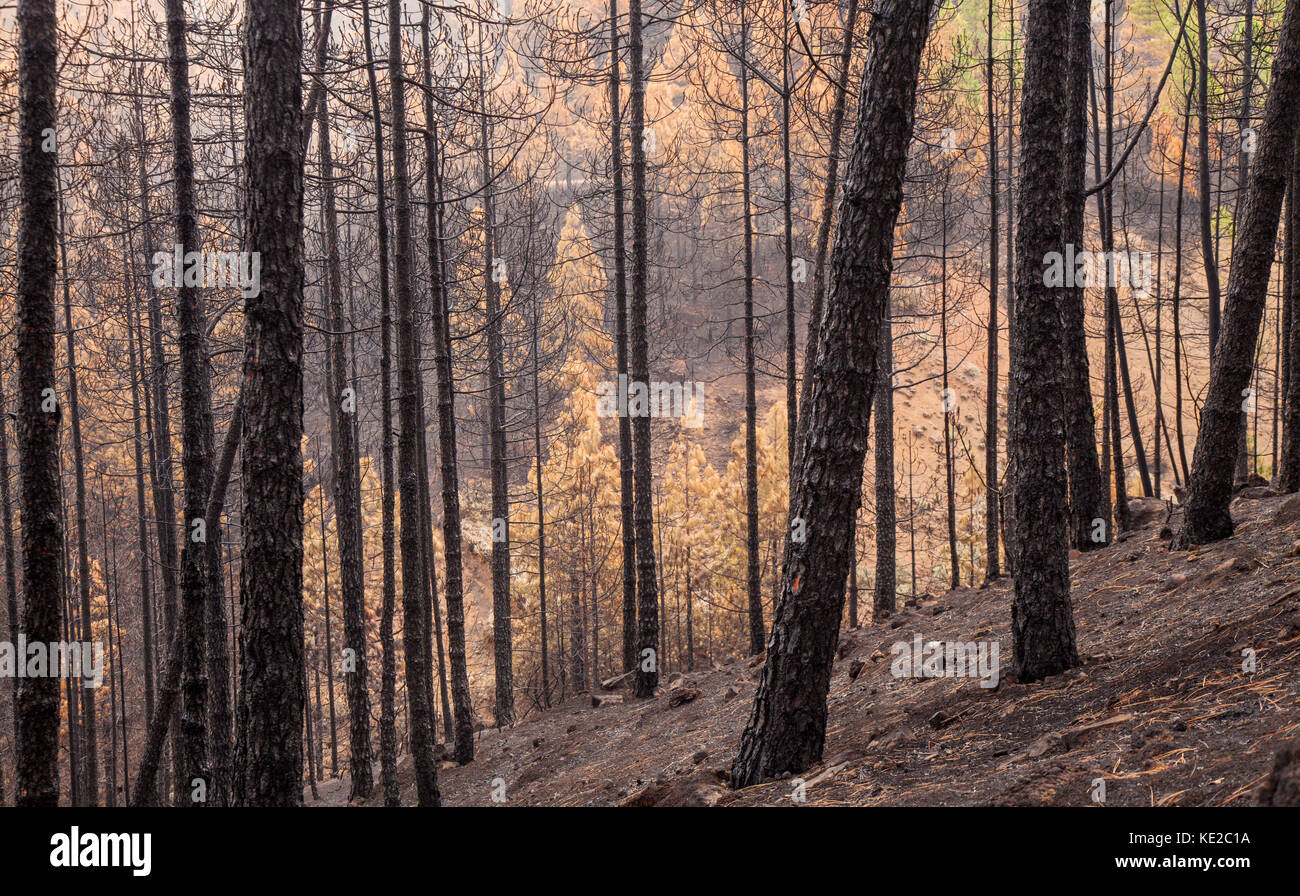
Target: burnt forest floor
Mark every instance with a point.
(1161, 708)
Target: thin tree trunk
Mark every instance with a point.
(885, 594)
(347, 491)
(992, 562)
(413, 631)
(626, 486)
(754, 581)
(647, 600)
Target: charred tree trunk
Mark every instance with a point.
(1210, 486)
(626, 486)
(413, 630)
(1085, 482)
(647, 598)
(38, 408)
(992, 562)
(388, 672)
(885, 595)
(754, 579)
(347, 491)
(269, 754)
(1042, 619)
(787, 727)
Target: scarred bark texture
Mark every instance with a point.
(1085, 483)
(272, 692)
(1210, 485)
(38, 410)
(1042, 620)
(787, 727)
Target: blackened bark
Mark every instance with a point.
(885, 596)
(347, 493)
(992, 553)
(753, 579)
(90, 797)
(1085, 483)
(196, 422)
(1210, 486)
(626, 486)
(1208, 251)
(1289, 453)
(38, 410)
(502, 634)
(647, 598)
(787, 727)
(453, 580)
(269, 753)
(388, 671)
(1042, 620)
(413, 630)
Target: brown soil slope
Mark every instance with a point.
(1162, 708)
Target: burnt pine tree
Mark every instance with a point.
(88, 733)
(1042, 621)
(626, 487)
(38, 408)
(388, 671)
(787, 727)
(196, 422)
(347, 495)
(413, 630)
(440, 323)
(647, 596)
(272, 694)
(1085, 483)
(885, 594)
(1289, 451)
(502, 637)
(993, 566)
(1207, 517)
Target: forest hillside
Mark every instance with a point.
(1186, 692)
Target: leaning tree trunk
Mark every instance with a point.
(787, 727)
(38, 409)
(1289, 452)
(1210, 486)
(824, 226)
(1085, 483)
(1042, 620)
(272, 694)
